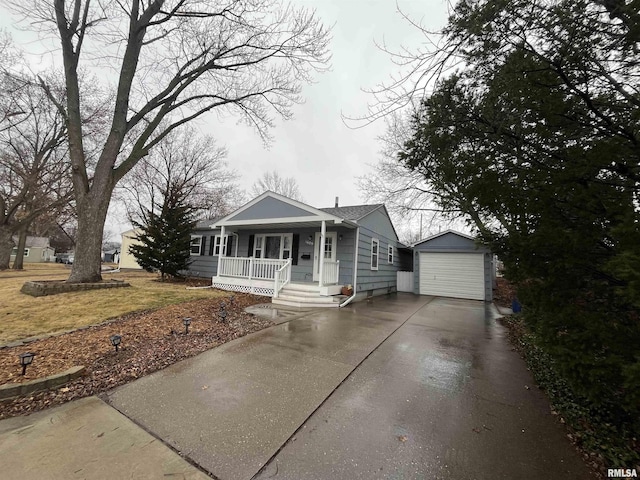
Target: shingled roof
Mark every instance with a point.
(353, 212)
(206, 223)
(34, 242)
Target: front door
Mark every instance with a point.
(330, 242)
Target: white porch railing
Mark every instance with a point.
(234, 267)
(283, 276)
(259, 268)
(330, 272)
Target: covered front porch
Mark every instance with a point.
(265, 276)
(274, 244)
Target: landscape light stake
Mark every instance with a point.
(115, 341)
(223, 312)
(26, 359)
(187, 322)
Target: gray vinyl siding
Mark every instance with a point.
(268, 208)
(303, 271)
(378, 221)
(452, 243)
(386, 276)
(206, 265)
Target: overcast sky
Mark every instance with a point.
(316, 147)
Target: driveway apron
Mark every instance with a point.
(230, 409)
(444, 397)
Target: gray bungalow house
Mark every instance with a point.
(298, 254)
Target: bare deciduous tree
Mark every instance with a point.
(175, 61)
(193, 165)
(272, 181)
(34, 175)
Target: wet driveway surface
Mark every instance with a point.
(444, 397)
(404, 387)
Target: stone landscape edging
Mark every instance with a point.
(12, 390)
(42, 288)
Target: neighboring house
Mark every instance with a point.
(111, 256)
(451, 264)
(127, 260)
(298, 254)
(36, 250)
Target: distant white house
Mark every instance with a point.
(127, 260)
(36, 250)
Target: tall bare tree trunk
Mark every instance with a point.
(92, 214)
(18, 263)
(6, 245)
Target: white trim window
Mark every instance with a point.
(216, 245)
(390, 255)
(273, 245)
(196, 244)
(375, 250)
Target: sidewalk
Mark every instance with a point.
(85, 439)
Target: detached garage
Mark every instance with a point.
(450, 264)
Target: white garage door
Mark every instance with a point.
(458, 275)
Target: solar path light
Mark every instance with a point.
(187, 322)
(115, 341)
(25, 360)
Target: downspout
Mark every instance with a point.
(355, 271)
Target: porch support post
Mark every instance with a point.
(323, 233)
(220, 248)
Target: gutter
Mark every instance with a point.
(355, 271)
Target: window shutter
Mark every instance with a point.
(251, 240)
(229, 245)
(295, 244)
(203, 242)
(213, 242)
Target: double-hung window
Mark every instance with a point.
(217, 246)
(390, 255)
(375, 247)
(196, 244)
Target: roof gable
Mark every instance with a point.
(448, 237)
(271, 207)
(378, 220)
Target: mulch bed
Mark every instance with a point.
(151, 340)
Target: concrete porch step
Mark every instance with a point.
(306, 298)
(298, 304)
(302, 287)
(301, 293)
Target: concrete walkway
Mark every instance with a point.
(85, 439)
(232, 408)
(401, 387)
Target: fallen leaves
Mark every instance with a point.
(146, 346)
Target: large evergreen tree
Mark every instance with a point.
(535, 140)
(166, 236)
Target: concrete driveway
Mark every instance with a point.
(444, 397)
(400, 387)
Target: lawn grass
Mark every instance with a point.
(23, 316)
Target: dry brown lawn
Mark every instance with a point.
(23, 316)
